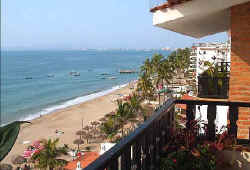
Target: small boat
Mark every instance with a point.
(111, 78)
(127, 71)
(28, 78)
(74, 73)
(51, 75)
(103, 74)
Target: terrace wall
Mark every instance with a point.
(239, 89)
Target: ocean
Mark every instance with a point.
(35, 83)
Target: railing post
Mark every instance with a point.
(113, 165)
(126, 159)
(145, 154)
(137, 156)
(211, 116)
(172, 112)
(158, 143)
(233, 117)
(153, 146)
(190, 114)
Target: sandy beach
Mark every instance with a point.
(68, 120)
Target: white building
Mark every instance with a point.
(212, 52)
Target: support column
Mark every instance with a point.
(239, 88)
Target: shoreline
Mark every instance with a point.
(68, 119)
(70, 102)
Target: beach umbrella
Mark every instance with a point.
(86, 128)
(107, 116)
(97, 139)
(18, 159)
(78, 142)
(90, 148)
(103, 136)
(85, 135)
(5, 167)
(95, 123)
(110, 114)
(94, 131)
(103, 119)
(80, 132)
(88, 136)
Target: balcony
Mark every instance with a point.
(141, 149)
(196, 18)
(224, 66)
(216, 87)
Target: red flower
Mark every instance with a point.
(174, 160)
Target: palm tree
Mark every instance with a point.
(110, 127)
(47, 158)
(123, 112)
(135, 104)
(147, 67)
(145, 86)
(156, 62)
(166, 71)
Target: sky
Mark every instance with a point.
(76, 24)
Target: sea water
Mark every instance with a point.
(34, 83)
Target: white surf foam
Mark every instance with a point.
(72, 102)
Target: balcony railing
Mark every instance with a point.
(141, 149)
(215, 87)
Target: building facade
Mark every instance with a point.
(199, 18)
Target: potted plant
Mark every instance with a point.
(186, 151)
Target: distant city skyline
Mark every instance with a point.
(64, 25)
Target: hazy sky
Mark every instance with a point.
(74, 24)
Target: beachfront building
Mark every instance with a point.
(216, 53)
(195, 18)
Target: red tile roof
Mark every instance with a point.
(167, 4)
(85, 160)
(185, 97)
